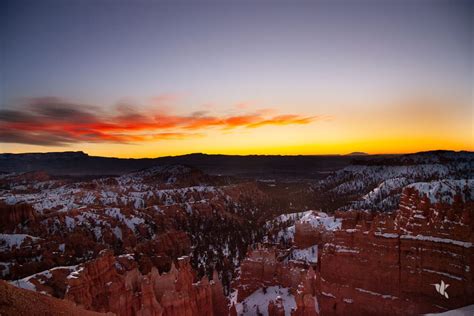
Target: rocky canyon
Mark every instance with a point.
(380, 236)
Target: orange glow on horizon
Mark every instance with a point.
(401, 127)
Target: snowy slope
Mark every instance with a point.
(377, 184)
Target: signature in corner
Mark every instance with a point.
(441, 288)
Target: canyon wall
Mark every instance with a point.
(390, 263)
(375, 263)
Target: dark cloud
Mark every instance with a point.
(35, 138)
(15, 116)
(54, 122)
(56, 109)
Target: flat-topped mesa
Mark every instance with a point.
(389, 263)
(105, 285)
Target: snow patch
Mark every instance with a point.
(321, 220)
(309, 255)
(464, 244)
(9, 241)
(259, 300)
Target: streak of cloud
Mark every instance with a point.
(55, 122)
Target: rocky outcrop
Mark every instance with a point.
(389, 263)
(160, 251)
(306, 235)
(15, 301)
(374, 263)
(262, 267)
(12, 215)
(105, 284)
(314, 228)
(276, 308)
(305, 297)
(94, 284)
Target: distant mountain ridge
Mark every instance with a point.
(78, 163)
(358, 153)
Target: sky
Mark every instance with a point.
(156, 78)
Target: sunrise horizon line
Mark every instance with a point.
(351, 153)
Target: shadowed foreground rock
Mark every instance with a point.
(19, 302)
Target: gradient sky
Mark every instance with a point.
(154, 78)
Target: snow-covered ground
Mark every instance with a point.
(258, 301)
(291, 216)
(444, 191)
(322, 220)
(8, 241)
(287, 233)
(309, 255)
(356, 178)
(463, 311)
(26, 283)
(132, 190)
(378, 184)
(316, 219)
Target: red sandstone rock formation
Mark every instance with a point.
(305, 297)
(12, 215)
(160, 251)
(383, 263)
(262, 268)
(306, 235)
(276, 308)
(377, 263)
(103, 285)
(233, 310)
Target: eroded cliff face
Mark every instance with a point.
(269, 267)
(390, 263)
(372, 263)
(265, 267)
(12, 215)
(116, 285)
(24, 251)
(306, 235)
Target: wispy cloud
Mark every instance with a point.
(53, 122)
